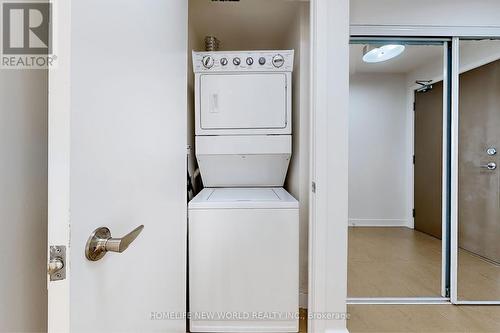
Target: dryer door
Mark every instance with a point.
(233, 103)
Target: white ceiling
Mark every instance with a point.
(413, 57)
(244, 24)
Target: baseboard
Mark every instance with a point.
(303, 300)
(379, 223)
(244, 326)
(338, 330)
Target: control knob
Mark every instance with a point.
(249, 61)
(223, 61)
(236, 61)
(262, 60)
(207, 61)
(278, 61)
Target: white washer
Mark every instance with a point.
(243, 260)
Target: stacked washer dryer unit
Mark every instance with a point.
(243, 227)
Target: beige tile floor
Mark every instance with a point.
(478, 279)
(423, 318)
(419, 318)
(393, 262)
(402, 262)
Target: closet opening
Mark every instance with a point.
(248, 163)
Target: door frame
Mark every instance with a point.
(58, 221)
(328, 219)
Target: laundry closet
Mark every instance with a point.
(248, 164)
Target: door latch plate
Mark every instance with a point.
(57, 255)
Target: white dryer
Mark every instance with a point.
(243, 228)
(243, 117)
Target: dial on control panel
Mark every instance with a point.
(278, 61)
(207, 61)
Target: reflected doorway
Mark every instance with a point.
(395, 210)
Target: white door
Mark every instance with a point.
(117, 155)
(243, 101)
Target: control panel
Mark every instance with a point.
(243, 61)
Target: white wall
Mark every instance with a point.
(378, 150)
(244, 25)
(473, 53)
(425, 12)
(383, 196)
(298, 182)
(23, 200)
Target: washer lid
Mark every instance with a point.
(238, 198)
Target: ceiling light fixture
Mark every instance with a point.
(372, 54)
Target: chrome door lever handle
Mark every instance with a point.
(489, 166)
(100, 242)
